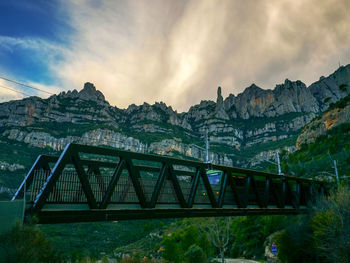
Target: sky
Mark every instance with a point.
(173, 51)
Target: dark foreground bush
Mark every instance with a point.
(331, 226)
(26, 244)
(321, 236)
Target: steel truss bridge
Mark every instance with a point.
(89, 183)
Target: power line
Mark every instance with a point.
(25, 85)
(15, 90)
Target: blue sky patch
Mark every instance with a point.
(23, 22)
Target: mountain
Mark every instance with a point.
(337, 114)
(244, 130)
(325, 139)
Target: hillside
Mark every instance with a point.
(244, 130)
(34, 126)
(338, 113)
(323, 140)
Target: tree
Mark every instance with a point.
(195, 254)
(219, 234)
(295, 242)
(331, 226)
(26, 244)
(178, 243)
(321, 236)
(172, 249)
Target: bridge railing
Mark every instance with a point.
(101, 180)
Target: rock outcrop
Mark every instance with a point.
(328, 120)
(114, 139)
(237, 123)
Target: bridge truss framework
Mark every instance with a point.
(89, 183)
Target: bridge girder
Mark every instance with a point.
(89, 183)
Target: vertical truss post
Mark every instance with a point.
(267, 191)
(245, 202)
(289, 194)
(311, 193)
(232, 183)
(302, 194)
(297, 195)
(283, 193)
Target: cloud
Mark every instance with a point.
(43, 51)
(180, 51)
(12, 91)
(6, 94)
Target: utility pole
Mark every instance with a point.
(336, 172)
(206, 146)
(279, 164)
(335, 169)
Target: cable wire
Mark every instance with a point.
(25, 85)
(4, 87)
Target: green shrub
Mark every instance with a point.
(321, 236)
(195, 254)
(326, 99)
(26, 244)
(331, 226)
(177, 243)
(343, 87)
(295, 243)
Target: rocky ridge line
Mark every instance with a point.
(249, 119)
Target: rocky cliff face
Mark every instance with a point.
(333, 117)
(290, 97)
(114, 139)
(240, 127)
(333, 88)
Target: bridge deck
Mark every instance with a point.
(88, 183)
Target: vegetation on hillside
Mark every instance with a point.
(76, 241)
(26, 244)
(340, 104)
(246, 237)
(316, 159)
(321, 236)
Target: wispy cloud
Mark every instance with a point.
(46, 51)
(8, 93)
(180, 51)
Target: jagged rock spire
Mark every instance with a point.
(89, 92)
(219, 99)
(219, 110)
